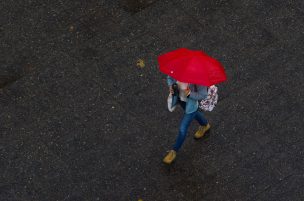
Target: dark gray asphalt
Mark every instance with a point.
(79, 121)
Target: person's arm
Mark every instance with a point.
(170, 81)
(202, 93)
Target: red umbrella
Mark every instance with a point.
(192, 66)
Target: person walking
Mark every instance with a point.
(188, 97)
(189, 74)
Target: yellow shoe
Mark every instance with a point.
(170, 157)
(201, 131)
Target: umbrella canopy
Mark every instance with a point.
(192, 66)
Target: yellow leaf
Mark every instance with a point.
(140, 63)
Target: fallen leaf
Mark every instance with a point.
(72, 28)
(140, 63)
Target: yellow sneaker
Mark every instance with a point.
(201, 131)
(170, 157)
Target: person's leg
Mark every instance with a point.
(199, 116)
(204, 125)
(184, 125)
(186, 120)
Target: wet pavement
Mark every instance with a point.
(83, 105)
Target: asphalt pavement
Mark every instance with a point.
(83, 112)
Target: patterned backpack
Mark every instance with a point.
(210, 102)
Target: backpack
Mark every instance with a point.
(210, 102)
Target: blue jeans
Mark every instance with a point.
(185, 123)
